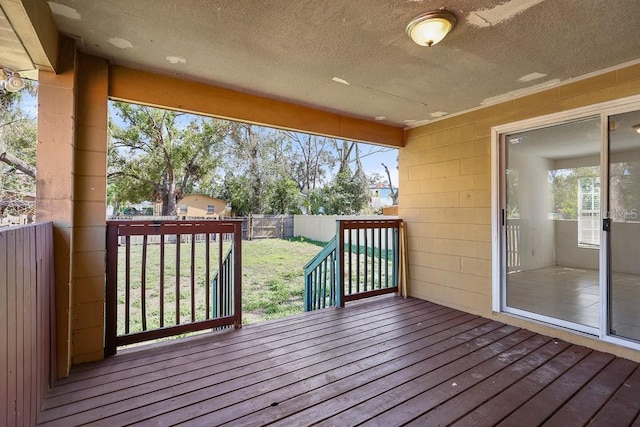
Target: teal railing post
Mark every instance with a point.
(316, 276)
(308, 298)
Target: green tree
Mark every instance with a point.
(307, 159)
(284, 197)
(279, 171)
(18, 136)
(346, 195)
(235, 190)
(564, 189)
(161, 155)
(251, 155)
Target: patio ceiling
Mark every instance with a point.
(293, 50)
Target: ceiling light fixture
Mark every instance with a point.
(431, 27)
(10, 81)
(636, 127)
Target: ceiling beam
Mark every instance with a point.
(168, 92)
(33, 23)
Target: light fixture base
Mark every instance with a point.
(431, 27)
(10, 81)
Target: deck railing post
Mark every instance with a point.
(111, 315)
(396, 255)
(339, 282)
(237, 275)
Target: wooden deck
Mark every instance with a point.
(386, 361)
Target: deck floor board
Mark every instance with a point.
(384, 361)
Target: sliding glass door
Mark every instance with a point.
(569, 223)
(551, 223)
(624, 224)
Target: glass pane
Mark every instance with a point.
(624, 207)
(553, 221)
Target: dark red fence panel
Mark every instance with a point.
(27, 314)
(159, 278)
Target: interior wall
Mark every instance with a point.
(537, 232)
(568, 253)
(445, 176)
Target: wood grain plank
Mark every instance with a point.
(34, 384)
(21, 267)
(240, 359)
(382, 362)
(12, 340)
(379, 409)
(346, 377)
(22, 312)
(4, 331)
(545, 403)
(513, 397)
(40, 370)
(427, 399)
(278, 328)
(475, 396)
(233, 347)
(624, 405)
(212, 363)
(236, 367)
(586, 403)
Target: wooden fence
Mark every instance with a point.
(27, 321)
(253, 227)
(267, 227)
(11, 220)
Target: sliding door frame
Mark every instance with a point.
(498, 238)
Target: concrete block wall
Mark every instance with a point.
(445, 177)
(54, 184)
(89, 189)
(71, 192)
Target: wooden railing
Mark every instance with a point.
(361, 261)
(514, 245)
(165, 288)
(27, 321)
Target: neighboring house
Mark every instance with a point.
(17, 203)
(380, 195)
(199, 205)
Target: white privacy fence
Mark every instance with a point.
(323, 227)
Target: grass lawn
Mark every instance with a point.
(273, 277)
(272, 281)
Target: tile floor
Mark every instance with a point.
(573, 294)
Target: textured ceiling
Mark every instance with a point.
(291, 50)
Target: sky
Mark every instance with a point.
(374, 162)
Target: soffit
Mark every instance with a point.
(28, 37)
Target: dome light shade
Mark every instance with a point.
(431, 27)
(14, 83)
(10, 81)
